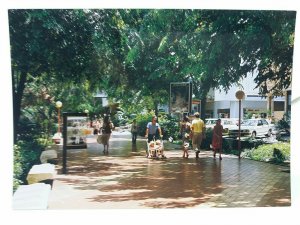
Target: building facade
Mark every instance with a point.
(221, 104)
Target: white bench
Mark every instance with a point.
(42, 172)
(33, 196)
(48, 154)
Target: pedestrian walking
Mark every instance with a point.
(133, 130)
(106, 133)
(185, 129)
(153, 130)
(217, 139)
(198, 133)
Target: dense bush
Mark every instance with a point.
(18, 170)
(26, 155)
(277, 152)
(208, 139)
(118, 121)
(170, 126)
(228, 145)
(31, 142)
(284, 123)
(32, 124)
(142, 120)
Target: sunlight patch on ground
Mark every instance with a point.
(124, 192)
(283, 200)
(170, 203)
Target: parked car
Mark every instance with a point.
(227, 123)
(253, 128)
(210, 123)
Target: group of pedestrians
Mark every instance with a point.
(192, 133)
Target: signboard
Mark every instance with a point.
(78, 128)
(75, 130)
(180, 97)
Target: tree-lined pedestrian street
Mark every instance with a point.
(80, 75)
(126, 179)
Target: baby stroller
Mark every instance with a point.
(155, 149)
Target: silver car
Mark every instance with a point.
(253, 128)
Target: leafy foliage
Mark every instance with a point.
(208, 139)
(54, 47)
(26, 155)
(133, 55)
(18, 169)
(284, 124)
(258, 40)
(278, 152)
(170, 126)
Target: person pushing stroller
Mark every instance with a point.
(153, 132)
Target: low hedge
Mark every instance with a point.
(277, 152)
(26, 154)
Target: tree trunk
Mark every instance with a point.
(17, 101)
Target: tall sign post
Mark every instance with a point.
(239, 95)
(180, 98)
(74, 133)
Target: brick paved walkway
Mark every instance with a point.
(125, 179)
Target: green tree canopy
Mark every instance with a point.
(134, 54)
(58, 43)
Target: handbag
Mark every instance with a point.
(99, 139)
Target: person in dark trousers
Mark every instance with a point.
(153, 130)
(133, 130)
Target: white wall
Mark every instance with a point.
(234, 109)
(247, 85)
(228, 100)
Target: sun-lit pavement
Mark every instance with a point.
(126, 179)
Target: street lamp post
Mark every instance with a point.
(239, 95)
(57, 136)
(58, 105)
